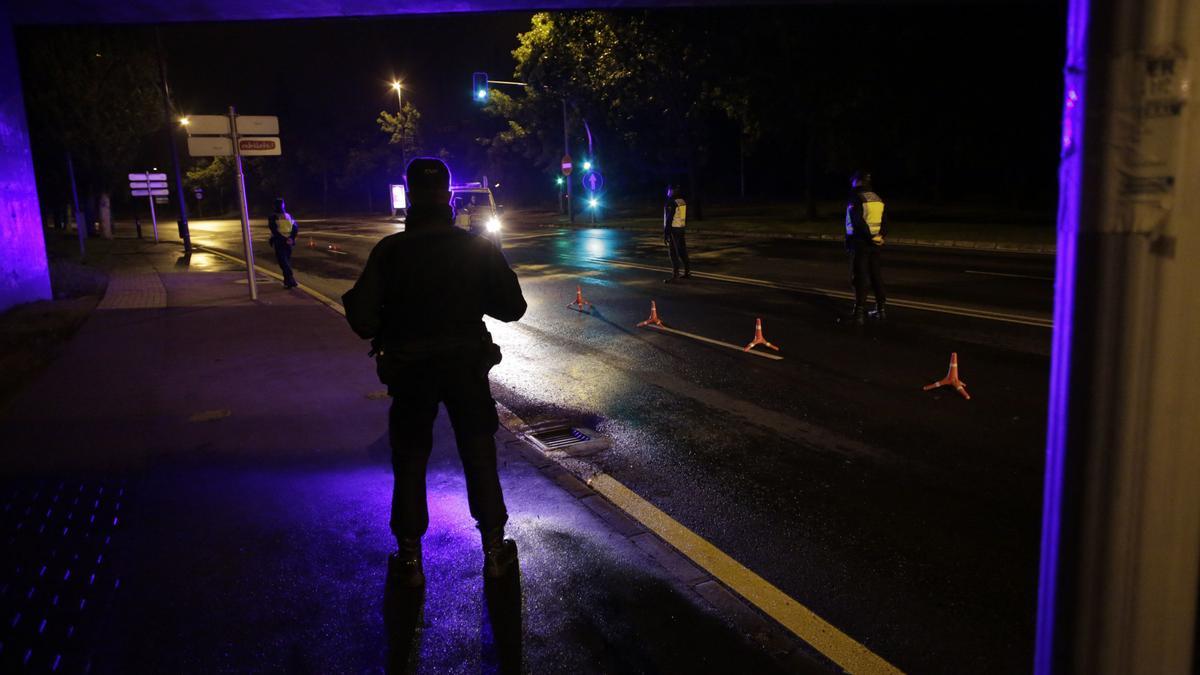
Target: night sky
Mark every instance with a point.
(964, 102)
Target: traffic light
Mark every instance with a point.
(558, 181)
(587, 166)
(479, 85)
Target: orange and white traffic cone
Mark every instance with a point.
(653, 320)
(951, 379)
(758, 338)
(579, 303)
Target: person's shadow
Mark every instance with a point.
(403, 617)
(503, 598)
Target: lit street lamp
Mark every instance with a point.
(398, 86)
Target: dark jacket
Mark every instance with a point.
(424, 291)
(865, 205)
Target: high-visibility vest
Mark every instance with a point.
(872, 213)
(680, 219)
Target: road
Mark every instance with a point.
(908, 519)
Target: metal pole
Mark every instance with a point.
(184, 231)
(247, 238)
(400, 119)
(566, 151)
(79, 219)
(153, 217)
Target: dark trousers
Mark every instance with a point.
(460, 385)
(283, 254)
(864, 267)
(677, 244)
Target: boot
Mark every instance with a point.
(858, 317)
(404, 566)
(880, 314)
(499, 555)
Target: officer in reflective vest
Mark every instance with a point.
(866, 228)
(283, 243)
(674, 224)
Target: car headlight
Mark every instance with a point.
(493, 224)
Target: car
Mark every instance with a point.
(475, 210)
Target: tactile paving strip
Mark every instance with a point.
(55, 575)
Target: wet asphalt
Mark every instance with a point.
(908, 519)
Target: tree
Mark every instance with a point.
(647, 82)
(94, 93)
(403, 129)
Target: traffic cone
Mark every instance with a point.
(311, 243)
(951, 379)
(758, 338)
(579, 301)
(653, 320)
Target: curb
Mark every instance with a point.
(962, 245)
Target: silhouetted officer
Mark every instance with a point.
(674, 224)
(421, 300)
(866, 227)
(281, 243)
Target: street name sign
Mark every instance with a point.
(208, 125)
(210, 146)
(259, 146)
(257, 125)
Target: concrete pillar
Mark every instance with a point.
(24, 276)
(1121, 526)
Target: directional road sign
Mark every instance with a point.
(150, 193)
(210, 146)
(258, 146)
(208, 125)
(147, 176)
(147, 184)
(593, 181)
(257, 125)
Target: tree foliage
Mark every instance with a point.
(95, 94)
(649, 84)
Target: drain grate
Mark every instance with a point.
(557, 437)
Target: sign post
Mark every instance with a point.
(149, 185)
(236, 136)
(247, 238)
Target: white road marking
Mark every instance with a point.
(1005, 274)
(1025, 319)
(715, 342)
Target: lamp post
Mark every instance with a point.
(397, 85)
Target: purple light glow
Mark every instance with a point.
(24, 276)
(1069, 177)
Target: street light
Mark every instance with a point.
(398, 86)
(184, 121)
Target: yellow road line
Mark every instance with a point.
(991, 315)
(319, 296)
(701, 338)
(823, 636)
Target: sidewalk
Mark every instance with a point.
(201, 484)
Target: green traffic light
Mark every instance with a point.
(558, 181)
